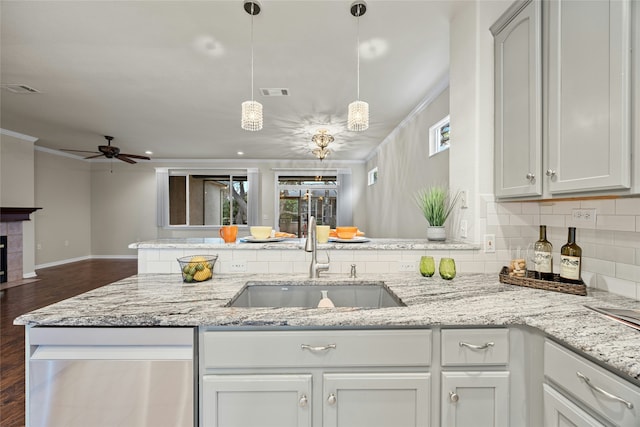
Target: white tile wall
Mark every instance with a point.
(611, 250)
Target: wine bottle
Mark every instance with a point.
(543, 258)
(571, 259)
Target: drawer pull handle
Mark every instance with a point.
(332, 399)
(453, 397)
(303, 401)
(602, 391)
(317, 349)
(476, 347)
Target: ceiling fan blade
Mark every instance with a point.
(93, 157)
(135, 156)
(124, 158)
(79, 151)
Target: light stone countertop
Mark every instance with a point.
(469, 299)
(297, 244)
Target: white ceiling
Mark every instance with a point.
(169, 76)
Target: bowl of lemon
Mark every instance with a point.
(197, 268)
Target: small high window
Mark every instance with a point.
(439, 137)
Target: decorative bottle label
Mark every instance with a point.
(542, 261)
(570, 267)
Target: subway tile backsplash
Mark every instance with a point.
(610, 250)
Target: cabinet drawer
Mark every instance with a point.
(475, 347)
(600, 390)
(240, 349)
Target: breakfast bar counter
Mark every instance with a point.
(152, 300)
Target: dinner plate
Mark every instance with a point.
(357, 239)
(251, 239)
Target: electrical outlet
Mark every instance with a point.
(407, 266)
(239, 266)
(489, 243)
(585, 218)
(464, 201)
(464, 229)
(39, 246)
(66, 243)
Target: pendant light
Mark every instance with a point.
(251, 110)
(358, 117)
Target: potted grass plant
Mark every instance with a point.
(436, 203)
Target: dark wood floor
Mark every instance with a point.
(55, 284)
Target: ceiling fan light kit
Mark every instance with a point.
(251, 118)
(358, 115)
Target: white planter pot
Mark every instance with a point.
(436, 233)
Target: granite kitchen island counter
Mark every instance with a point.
(473, 299)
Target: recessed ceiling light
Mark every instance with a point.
(148, 152)
(240, 153)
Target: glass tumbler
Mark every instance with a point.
(447, 268)
(427, 266)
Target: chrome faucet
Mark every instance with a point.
(311, 245)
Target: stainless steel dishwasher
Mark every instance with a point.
(110, 377)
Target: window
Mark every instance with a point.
(300, 196)
(204, 197)
(325, 194)
(439, 137)
(372, 176)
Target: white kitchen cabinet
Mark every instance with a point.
(582, 144)
(257, 400)
(475, 396)
(376, 400)
(475, 399)
(347, 378)
(561, 412)
(591, 387)
(518, 110)
(589, 96)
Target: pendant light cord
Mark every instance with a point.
(358, 52)
(252, 13)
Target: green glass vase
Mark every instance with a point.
(447, 268)
(427, 266)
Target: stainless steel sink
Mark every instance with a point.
(308, 294)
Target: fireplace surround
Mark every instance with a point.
(11, 219)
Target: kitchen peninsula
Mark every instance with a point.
(535, 322)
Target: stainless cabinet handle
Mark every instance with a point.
(586, 379)
(531, 177)
(303, 401)
(332, 399)
(550, 172)
(476, 347)
(317, 349)
(453, 397)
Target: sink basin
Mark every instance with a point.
(308, 294)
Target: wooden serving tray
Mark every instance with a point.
(530, 282)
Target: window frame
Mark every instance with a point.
(435, 136)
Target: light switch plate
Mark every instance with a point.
(239, 266)
(407, 266)
(583, 218)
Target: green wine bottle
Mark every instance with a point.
(571, 260)
(543, 257)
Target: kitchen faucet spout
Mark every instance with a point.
(311, 245)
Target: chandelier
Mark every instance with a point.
(358, 116)
(251, 118)
(322, 139)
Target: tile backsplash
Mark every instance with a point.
(610, 248)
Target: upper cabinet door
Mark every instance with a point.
(518, 129)
(588, 96)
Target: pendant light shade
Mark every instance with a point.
(251, 118)
(358, 114)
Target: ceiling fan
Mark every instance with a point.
(111, 152)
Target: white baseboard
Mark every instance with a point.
(83, 258)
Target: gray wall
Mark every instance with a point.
(17, 188)
(404, 167)
(99, 208)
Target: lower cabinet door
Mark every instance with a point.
(479, 399)
(376, 400)
(256, 401)
(561, 412)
